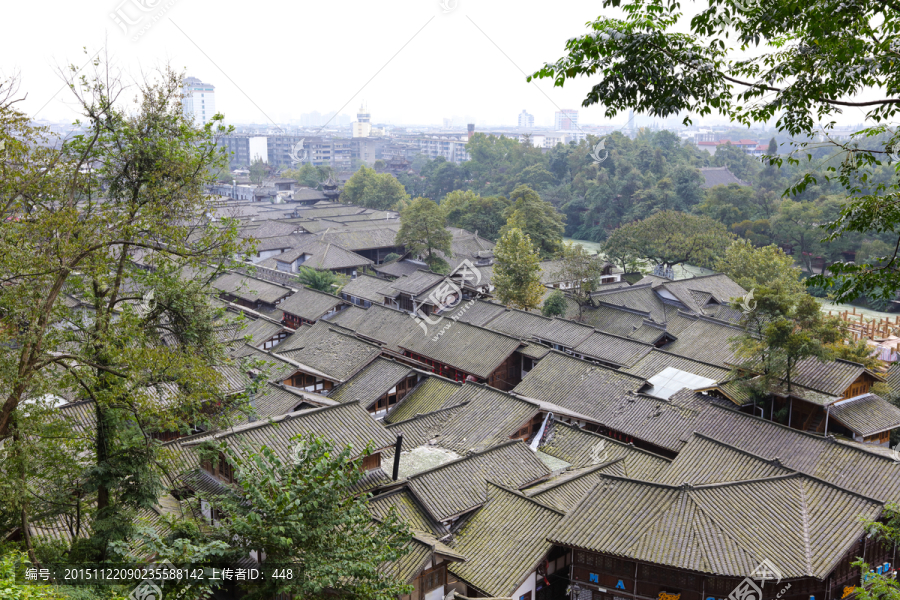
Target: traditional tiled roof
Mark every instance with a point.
(460, 486)
(258, 331)
(618, 321)
(468, 348)
(363, 239)
(636, 297)
(274, 400)
(251, 289)
(649, 332)
(713, 176)
(866, 415)
(565, 491)
(408, 508)
(705, 460)
(706, 341)
(324, 256)
(656, 361)
(612, 349)
(310, 304)
(422, 428)
(479, 313)
(430, 395)
(343, 424)
(828, 377)
(400, 268)
(486, 417)
(696, 292)
(387, 326)
(267, 229)
(504, 541)
(329, 351)
(418, 283)
(576, 384)
(525, 325)
(366, 287)
(276, 367)
(582, 448)
(372, 382)
(802, 525)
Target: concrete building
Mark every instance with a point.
(526, 121)
(362, 127)
(566, 120)
(199, 100)
(287, 150)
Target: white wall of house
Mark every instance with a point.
(527, 586)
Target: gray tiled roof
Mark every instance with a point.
(459, 486)
(366, 287)
(706, 341)
(387, 326)
(504, 541)
(273, 400)
(866, 415)
(617, 321)
(656, 361)
(582, 448)
(531, 326)
(334, 353)
(410, 509)
(343, 424)
(713, 176)
(798, 523)
(323, 256)
(430, 395)
(577, 385)
(828, 377)
(251, 289)
(471, 349)
(705, 460)
(417, 283)
(399, 268)
(310, 304)
(566, 490)
(364, 238)
(612, 349)
(479, 313)
(372, 382)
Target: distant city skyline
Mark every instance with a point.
(409, 62)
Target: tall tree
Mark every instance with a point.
(793, 66)
(305, 515)
(517, 271)
(539, 220)
(769, 266)
(367, 188)
(423, 230)
(132, 181)
(584, 269)
(671, 238)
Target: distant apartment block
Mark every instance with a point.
(199, 100)
(526, 121)
(566, 120)
(287, 150)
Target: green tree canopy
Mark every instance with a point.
(754, 63)
(305, 515)
(769, 266)
(554, 305)
(584, 269)
(517, 271)
(423, 230)
(539, 220)
(367, 188)
(671, 238)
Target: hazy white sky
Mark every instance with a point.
(413, 61)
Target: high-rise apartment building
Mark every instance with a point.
(566, 120)
(199, 100)
(526, 121)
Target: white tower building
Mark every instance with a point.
(199, 100)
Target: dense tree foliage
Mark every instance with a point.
(517, 271)
(423, 230)
(381, 191)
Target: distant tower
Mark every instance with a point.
(471, 128)
(363, 126)
(526, 121)
(199, 101)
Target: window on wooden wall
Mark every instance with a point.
(432, 579)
